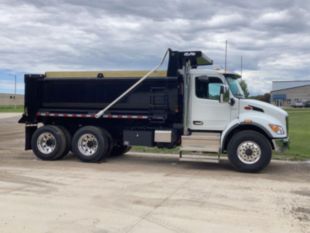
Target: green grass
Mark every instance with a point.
(19, 108)
(299, 133)
(155, 150)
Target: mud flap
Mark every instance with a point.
(30, 129)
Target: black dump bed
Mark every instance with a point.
(153, 97)
(158, 98)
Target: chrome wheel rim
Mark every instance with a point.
(249, 152)
(88, 144)
(46, 143)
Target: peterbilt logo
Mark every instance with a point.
(188, 54)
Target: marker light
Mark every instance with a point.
(277, 129)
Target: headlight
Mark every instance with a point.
(277, 129)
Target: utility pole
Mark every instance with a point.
(225, 56)
(15, 91)
(241, 65)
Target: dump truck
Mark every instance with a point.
(191, 106)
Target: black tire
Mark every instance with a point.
(97, 147)
(48, 137)
(119, 150)
(254, 152)
(68, 141)
(108, 135)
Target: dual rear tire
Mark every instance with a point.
(119, 150)
(50, 142)
(89, 143)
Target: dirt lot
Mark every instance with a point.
(136, 193)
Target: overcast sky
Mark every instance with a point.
(39, 35)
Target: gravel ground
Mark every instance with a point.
(9, 115)
(145, 193)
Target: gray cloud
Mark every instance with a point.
(272, 36)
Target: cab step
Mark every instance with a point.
(201, 147)
(208, 158)
(201, 142)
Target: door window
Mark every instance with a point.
(208, 88)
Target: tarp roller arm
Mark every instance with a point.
(101, 112)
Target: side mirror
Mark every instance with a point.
(231, 101)
(224, 94)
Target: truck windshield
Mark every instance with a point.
(235, 87)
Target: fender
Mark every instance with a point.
(250, 121)
(231, 126)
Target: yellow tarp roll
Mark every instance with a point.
(106, 74)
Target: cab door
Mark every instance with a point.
(205, 110)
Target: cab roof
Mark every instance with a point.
(215, 72)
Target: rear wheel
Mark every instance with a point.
(48, 142)
(249, 151)
(118, 150)
(91, 144)
(68, 141)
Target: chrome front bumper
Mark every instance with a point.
(281, 144)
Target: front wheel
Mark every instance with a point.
(249, 151)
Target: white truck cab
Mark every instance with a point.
(221, 119)
(209, 112)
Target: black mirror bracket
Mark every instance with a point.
(232, 101)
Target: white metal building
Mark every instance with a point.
(286, 93)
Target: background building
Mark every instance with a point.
(287, 93)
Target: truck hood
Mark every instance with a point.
(266, 107)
